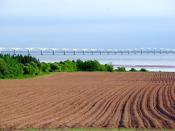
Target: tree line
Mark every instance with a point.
(27, 66)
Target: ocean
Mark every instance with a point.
(152, 62)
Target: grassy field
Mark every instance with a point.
(83, 129)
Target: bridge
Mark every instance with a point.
(65, 51)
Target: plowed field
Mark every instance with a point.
(129, 100)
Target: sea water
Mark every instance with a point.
(152, 62)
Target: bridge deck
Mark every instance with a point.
(54, 51)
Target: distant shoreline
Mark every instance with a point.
(146, 66)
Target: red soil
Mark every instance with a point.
(130, 100)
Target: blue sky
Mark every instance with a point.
(87, 23)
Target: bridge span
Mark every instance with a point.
(65, 51)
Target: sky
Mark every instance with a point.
(87, 23)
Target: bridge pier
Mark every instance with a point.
(14, 52)
(0, 51)
(141, 51)
(128, 52)
(41, 52)
(28, 52)
(53, 52)
(100, 52)
(64, 52)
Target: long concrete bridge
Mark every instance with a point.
(65, 51)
